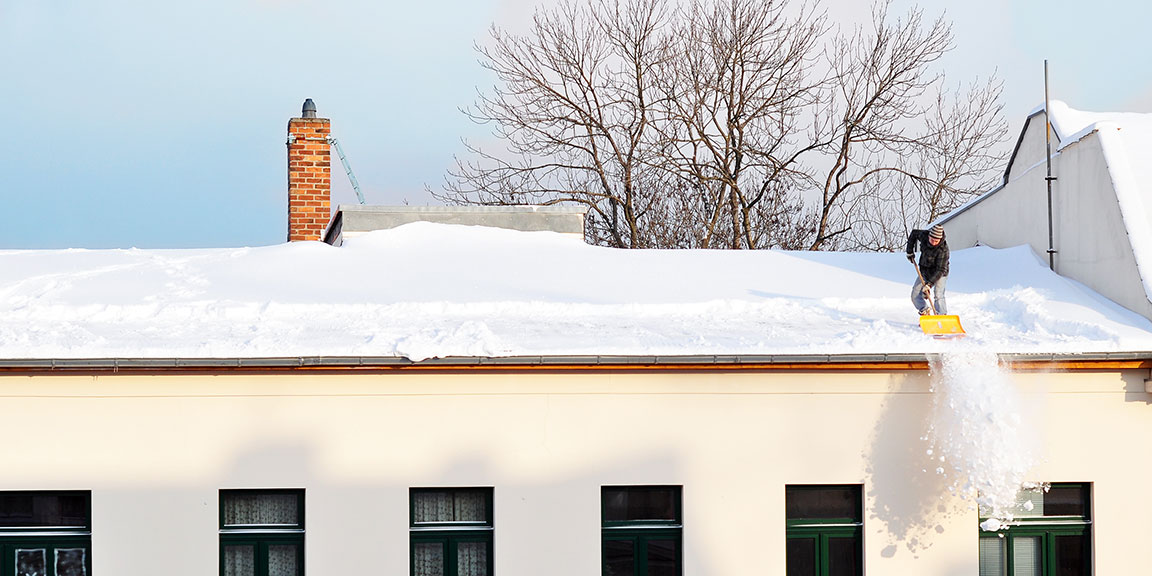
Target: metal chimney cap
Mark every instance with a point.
(309, 110)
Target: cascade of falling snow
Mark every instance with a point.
(978, 437)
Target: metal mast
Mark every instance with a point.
(1048, 161)
(347, 168)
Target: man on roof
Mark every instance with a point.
(933, 269)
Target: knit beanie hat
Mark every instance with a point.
(937, 232)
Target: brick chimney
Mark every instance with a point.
(309, 175)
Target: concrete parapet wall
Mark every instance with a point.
(350, 221)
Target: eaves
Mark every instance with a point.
(1102, 361)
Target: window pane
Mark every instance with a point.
(801, 557)
(25, 509)
(433, 507)
(254, 508)
(282, 560)
(842, 557)
(1071, 557)
(822, 502)
(70, 562)
(634, 503)
(470, 506)
(239, 561)
(1066, 501)
(1029, 503)
(428, 559)
(662, 558)
(992, 557)
(619, 558)
(1026, 556)
(429, 506)
(30, 562)
(472, 559)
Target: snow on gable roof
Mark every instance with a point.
(1071, 125)
(434, 290)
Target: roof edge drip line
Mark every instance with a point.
(735, 362)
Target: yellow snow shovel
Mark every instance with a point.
(938, 325)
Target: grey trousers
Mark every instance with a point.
(937, 292)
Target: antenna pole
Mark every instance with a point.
(347, 168)
(1048, 161)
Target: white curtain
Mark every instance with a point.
(282, 560)
(472, 559)
(433, 507)
(464, 506)
(265, 509)
(470, 507)
(70, 562)
(428, 559)
(239, 561)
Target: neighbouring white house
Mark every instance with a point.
(1101, 202)
(457, 392)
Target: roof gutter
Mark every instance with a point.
(689, 363)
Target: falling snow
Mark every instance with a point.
(980, 436)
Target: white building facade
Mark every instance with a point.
(161, 452)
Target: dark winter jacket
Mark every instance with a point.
(933, 259)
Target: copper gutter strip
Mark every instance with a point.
(1109, 361)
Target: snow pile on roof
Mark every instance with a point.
(426, 290)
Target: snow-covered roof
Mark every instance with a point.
(1071, 125)
(433, 290)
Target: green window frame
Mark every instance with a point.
(46, 533)
(824, 529)
(1054, 538)
(641, 531)
(259, 545)
(451, 531)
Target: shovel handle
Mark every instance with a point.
(921, 277)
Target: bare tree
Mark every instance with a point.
(955, 156)
(573, 108)
(735, 95)
(879, 76)
(730, 124)
(961, 153)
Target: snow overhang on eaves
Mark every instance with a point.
(690, 363)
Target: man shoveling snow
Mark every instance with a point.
(933, 269)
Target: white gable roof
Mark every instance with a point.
(1126, 140)
(433, 290)
(1100, 226)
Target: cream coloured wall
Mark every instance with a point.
(1032, 146)
(155, 450)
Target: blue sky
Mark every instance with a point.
(162, 124)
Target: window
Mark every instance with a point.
(451, 531)
(641, 534)
(46, 533)
(1049, 536)
(261, 532)
(823, 528)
